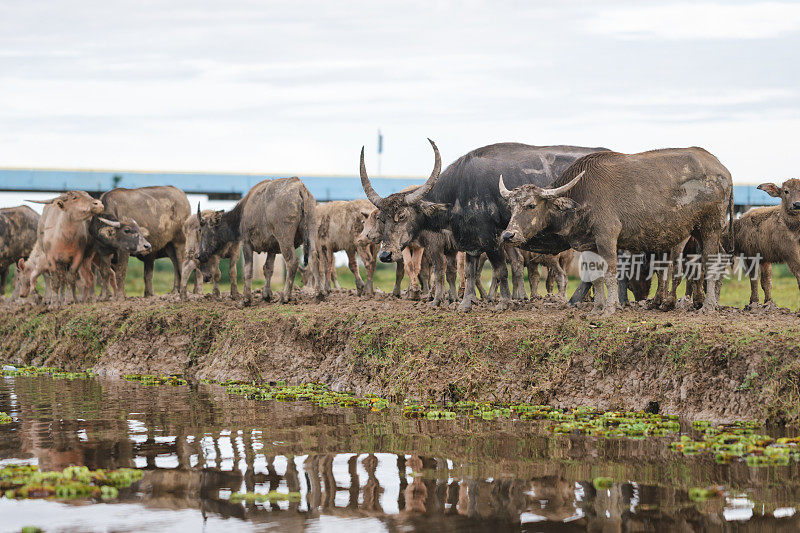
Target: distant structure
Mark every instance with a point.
(233, 186)
(215, 186)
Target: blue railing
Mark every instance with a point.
(324, 188)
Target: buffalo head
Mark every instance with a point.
(401, 216)
(212, 234)
(534, 208)
(78, 205)
(125, 234)
(789, 193)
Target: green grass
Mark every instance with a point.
(734, 292)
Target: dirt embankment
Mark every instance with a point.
(731, 365)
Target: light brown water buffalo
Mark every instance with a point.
(556, 266)
(771, 233)
(160, 211)
(63, 234)
(638, 202)
(17, 237)
(339, 225)
(208, 271)
(275, 217)
(110, 239)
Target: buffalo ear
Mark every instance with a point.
(108, 232)
(431, 208)
(563, 203)
(59, 203)
(771, 189)
(366, 212)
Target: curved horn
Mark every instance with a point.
(417, 195)
(505, 193)
(559, 191)
(112, 223)
(199, 218)
(371, 194)
(50, 201)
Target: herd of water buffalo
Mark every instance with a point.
(510, 203)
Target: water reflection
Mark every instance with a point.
(358, 469)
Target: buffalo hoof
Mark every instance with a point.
(234, 295)
(413, 294)
(708, 309)
(502, 305)
(465, 306)
(668, 305)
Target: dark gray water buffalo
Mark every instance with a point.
(208, 271)
(275, 217)
(160, 211)
(466, 200)
(17, 237)
(110, 239)
(638, 202)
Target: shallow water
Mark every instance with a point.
(357, 470)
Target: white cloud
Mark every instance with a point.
(701, 21)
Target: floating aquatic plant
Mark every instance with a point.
(26, 481)
(44, 371)
(5, 418)
(737, 441)
(146, 379)
(317, 393)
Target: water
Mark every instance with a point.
(357, 470)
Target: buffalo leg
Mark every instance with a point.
(766, 282)
(399, 271)
(500, 272)
(451, 276)
(479, 284)
(233, 274)
(413, 268)
(290, 258)
(368, 258)
(268, 269)
(561, 281)
(188, 266)
(352, 264)
(177, 262)
(607, 249)
(247, 254)
(533, 278)
(439, 263)
(710, 239)
(581, 292)
(198, 280)
(517, 273)
(470, 274)
(3, 278)
(149, 265)
(121, 272)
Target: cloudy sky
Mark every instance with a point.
(298, 87)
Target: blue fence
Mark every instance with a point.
(232, 186)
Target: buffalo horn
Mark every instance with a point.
(373, 196)
(559, 191)
(417, 195)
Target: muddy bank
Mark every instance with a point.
(730, 366)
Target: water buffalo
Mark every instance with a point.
(110, 239)
(63, 233)
(466, 200)
(771, 233)
(411, 261)
(17, 237)
(275, 216)
(160, 211)
(638, 202)
(339, 225)
(209, 270)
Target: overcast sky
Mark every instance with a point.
(298, 87)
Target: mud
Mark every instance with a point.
(733, 365)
